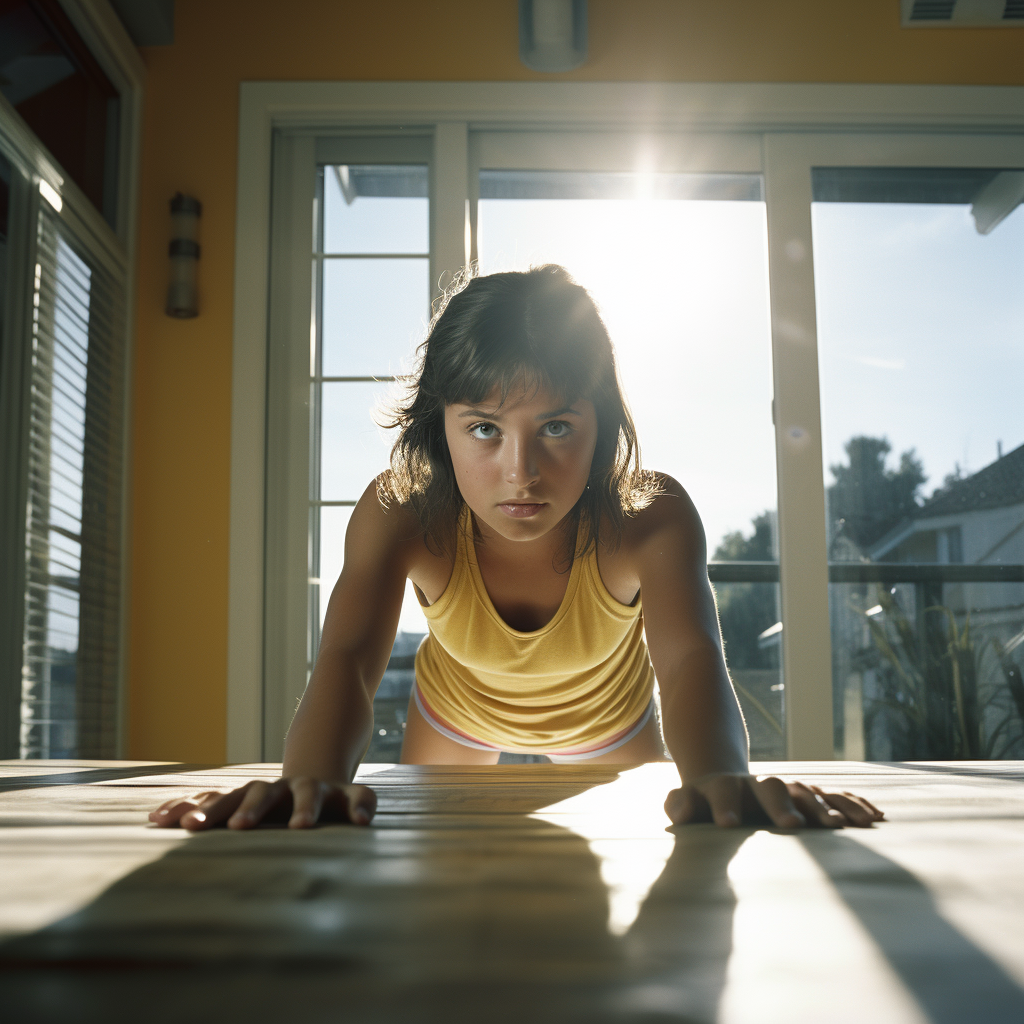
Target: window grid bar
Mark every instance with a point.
(381, 379)
(371, 255)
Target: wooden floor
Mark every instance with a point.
(515, 893)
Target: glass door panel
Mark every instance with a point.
(677, 264)
(920, 322)
(372, 305)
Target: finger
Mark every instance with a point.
(814, 808)
(215, 809)
(775, 799)
(170, 814)
(176, 800)
(685, 805)
(854, 808)
(307, 799)
(361, 804)
(724, 794)
(861, 801)
(261, 800)
(171, 810)
(254, 805)
(879, 814)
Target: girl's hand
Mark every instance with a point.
(727, 799)
(302, 801)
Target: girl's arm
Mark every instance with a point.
(701, 717)
(332, 726)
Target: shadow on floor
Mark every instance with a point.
(84, 776)
(437, 913)
(953, 980)
(967, 770)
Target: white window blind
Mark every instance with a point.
(69, 701)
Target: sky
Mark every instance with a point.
(920, 324)
(920, 332)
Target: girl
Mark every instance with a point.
(542, 555)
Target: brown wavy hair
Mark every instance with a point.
(513, 330)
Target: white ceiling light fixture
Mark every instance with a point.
(553, 34)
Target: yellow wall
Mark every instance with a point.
(181, 430)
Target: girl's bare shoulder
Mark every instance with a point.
(670, 515)
(380, 527)
(669, 522)
(385, 532)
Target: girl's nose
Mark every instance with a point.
(521, 468)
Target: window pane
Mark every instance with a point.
(354, 448)
(333, 524)
(376, 209)
(49, 76)
(749, 616)
(916, 655)
(920, 315)
(373, 312)
(374, 315)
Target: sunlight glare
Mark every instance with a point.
(630, 848)
(682, 287)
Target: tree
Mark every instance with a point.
(867, 499)
(734, 547)
(746, 610)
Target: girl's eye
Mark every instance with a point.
(556, 428)
(484, 431)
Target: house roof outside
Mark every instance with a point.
(997, 485)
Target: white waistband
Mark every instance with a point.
(585, 755)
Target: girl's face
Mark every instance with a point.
(521, 466)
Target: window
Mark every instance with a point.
(69, 700)
(920, 314)
(64, 280)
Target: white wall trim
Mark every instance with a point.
(527, 106)
(634, 106)
(248, 431)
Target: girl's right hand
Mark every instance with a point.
(302, 801)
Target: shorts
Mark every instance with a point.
(586, 755)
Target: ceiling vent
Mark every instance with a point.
(961, 13)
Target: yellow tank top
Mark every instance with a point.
(582, 678)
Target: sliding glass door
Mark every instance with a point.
(819, 338)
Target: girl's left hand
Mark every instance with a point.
(728, 799)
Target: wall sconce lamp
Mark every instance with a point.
(552, 34)
(182, 295)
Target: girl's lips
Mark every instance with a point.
(521, 509)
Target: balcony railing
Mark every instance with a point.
(873, 572)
